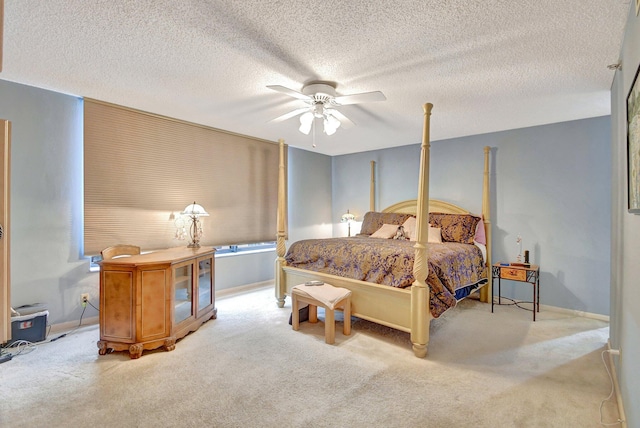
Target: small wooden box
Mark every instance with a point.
(513, 273)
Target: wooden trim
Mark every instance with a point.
(281, 219)
(5, 253)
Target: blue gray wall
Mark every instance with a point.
(309, 199)
(625, 252)
(46, 200)
(550, 185)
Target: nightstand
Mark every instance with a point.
(525, 274)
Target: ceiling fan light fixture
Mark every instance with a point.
(331, 124)
(332, 120)
(306, 121)
(328, 129)
(320, 98)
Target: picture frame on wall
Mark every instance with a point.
(633, 145)
(637, 7)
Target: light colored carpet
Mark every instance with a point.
(249, 369)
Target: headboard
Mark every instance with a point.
(435, 206)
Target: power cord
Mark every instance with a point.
(91, 304)
(606, 366)
(84, 308)
(21, 347)
(4, 356)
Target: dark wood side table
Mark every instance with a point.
(526, 274)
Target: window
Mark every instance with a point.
(142, 170)
(245, 248)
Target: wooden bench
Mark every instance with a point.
(341, 299)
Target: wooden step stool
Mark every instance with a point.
(341, 299)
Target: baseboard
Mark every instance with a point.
(616, 387)
(233, 291)
(67, 326)
(574, 312)
(571, 312)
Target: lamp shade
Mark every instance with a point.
(195, 210)
(347, 217)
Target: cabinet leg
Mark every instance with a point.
(170, 343)
(135, 351)
(102, 347)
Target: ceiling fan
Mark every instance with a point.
(322, 101)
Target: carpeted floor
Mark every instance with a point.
(249, 369)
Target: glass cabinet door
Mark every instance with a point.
(183, 280)
(205, 283)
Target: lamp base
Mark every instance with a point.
(193, 245)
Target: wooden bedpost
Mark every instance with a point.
(372, 187)
(486, 217)
(420, 311)
(280, 235)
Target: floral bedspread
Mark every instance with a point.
(390, 262)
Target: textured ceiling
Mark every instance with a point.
(486, 65)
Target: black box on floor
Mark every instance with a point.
(304, 315)
(32, 327)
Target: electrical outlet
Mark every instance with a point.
(84, 298)
(617, 353)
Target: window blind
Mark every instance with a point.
(141, 170)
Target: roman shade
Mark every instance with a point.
(141, 170)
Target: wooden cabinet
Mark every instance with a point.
(151, 300)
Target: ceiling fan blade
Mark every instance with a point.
(290, 92)
(344, 120)
(364, 97)
(290, 114)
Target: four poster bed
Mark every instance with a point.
(415, 278)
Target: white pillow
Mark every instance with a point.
(386, 231)
(409, 226)
(435, 235)
(410, 229)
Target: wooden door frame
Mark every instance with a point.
(5, 277)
